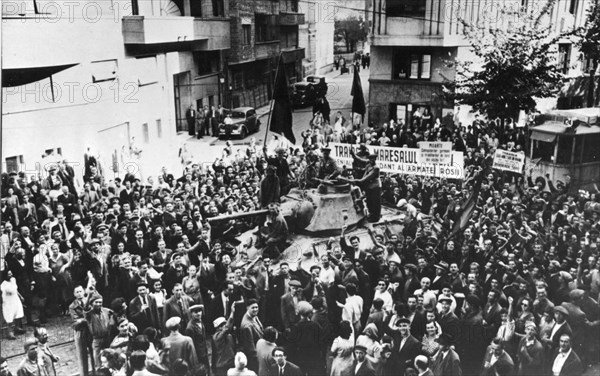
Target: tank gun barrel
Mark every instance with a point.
(238, 215)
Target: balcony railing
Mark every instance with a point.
(266, 49)
(141, 30)
(290, 19)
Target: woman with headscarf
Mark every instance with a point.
(530, 352)
(305, 338)
(370, 340)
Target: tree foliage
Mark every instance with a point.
(351, 30)
(513, 66)
(589, 44)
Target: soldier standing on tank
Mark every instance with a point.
(328, 169)
(359, 164)
(371, 185)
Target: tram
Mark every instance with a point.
(566, 143)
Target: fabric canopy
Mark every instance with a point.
(544, 137)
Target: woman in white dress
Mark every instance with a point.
(12, 308)
(342, 350)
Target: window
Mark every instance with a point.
(266, 27)
(543, 150)
(564, 55)
(586, 63)
(207, 61)
(412, 65)
(565, 148)
(573, 6)
(146, 133)
(404, 8)
(158, 128)
(246, 34)
(591, 152)
(13, 164)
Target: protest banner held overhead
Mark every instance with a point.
(435, 152)
(402, 161)
(509, 161)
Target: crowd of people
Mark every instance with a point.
(155, 283)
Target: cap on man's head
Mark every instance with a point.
(197, 307)
(295, 283)
(173, 322)
(562, 310)
(218, 322)
(29, 342)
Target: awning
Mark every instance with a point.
(544, 137)
(23, 76)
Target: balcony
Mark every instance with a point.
(291, 54)
(290, 19)
(164, 34)
(268, 49)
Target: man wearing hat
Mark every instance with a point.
(446, 361)
(289, 304)
(143, 310)
(179, 346)
(406, 346)
(101, 323)
(441, 270)
(197, 332)
(327, 168)
(362, 366)
(560, 327)
(371, 184)
(222, 345)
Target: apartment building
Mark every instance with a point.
(316, 36)
(413, 40)
(103, 75)
(261, 30)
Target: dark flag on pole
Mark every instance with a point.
(469, 207)
(281, 116)
(358, 99)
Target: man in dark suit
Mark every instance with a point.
(492, 319)
(143, 310)
(362, 366)
(178, 305)
(61, 227)
(552, 341)
(353, 250)
(448, 320)
(251, 330)
(222, 303)
(565, 361)
(406, 346)
(446, 362)
(190, 116)
(496, 358)
(289, 303)
(197, 332)
(139, 246)
(282, 367)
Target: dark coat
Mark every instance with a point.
(571, 367)
(198, 336)
(290, 369)
(448, 366)
(147, 318)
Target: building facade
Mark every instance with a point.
(412, 42)
(106, 78)
(261, 30)
(316, 36)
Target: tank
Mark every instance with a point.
(315, 217)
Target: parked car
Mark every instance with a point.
(319, 83)
(243, 122)
(303, 94)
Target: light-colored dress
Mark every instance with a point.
(11, 304)
(343, 357)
